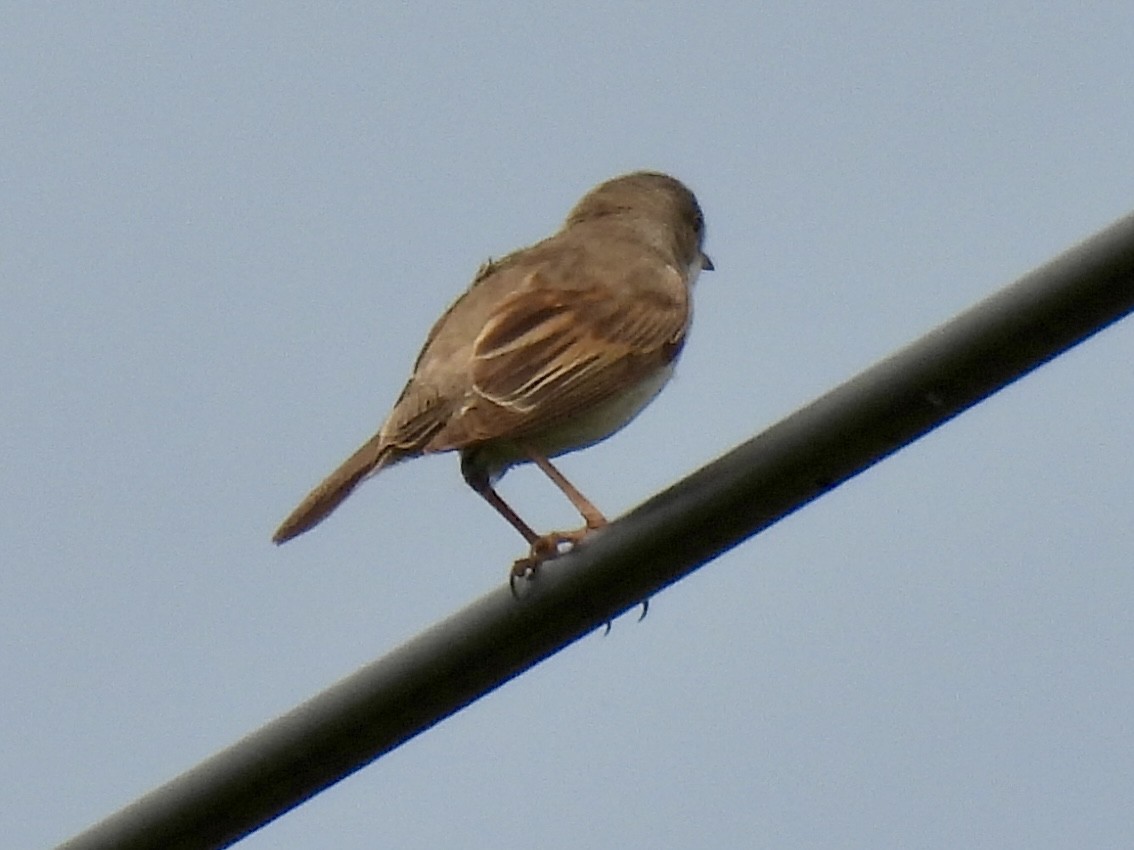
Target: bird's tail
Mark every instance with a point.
(370, 458)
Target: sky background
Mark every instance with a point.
(225, 232)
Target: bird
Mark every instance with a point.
(551, 349)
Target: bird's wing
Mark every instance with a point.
(548, 353)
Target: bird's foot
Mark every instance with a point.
(552, 545)
(545, 548)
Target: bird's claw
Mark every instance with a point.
(544, 548)
(641, 617)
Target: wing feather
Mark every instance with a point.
(547, 354)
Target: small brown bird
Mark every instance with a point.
(553, 348)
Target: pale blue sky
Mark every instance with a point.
(225, 232)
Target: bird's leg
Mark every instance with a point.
(505, 510)
(543, 546)
(547, 546)
(591, 515)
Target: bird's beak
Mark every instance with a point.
(707, 263)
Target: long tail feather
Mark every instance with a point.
(370, 458)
